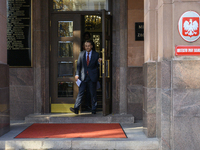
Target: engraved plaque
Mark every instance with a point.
(19, 33)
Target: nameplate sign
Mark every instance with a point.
(139, 31)
(19, 33)
(187, 50)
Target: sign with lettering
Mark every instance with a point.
(187, 50)
(188, 26)
(139, 31)
(19, 33)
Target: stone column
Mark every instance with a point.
(164, 71)
(4, 72)
(120, 66)
(41, 55)
(149, 67)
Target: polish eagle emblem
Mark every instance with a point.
(190, 28)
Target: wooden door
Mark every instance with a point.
(65, 48)
(106, 63)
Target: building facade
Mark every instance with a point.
(149, 80)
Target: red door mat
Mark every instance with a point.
(82, 130)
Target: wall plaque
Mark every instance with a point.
(139, 31)
(19, 33)
(182, 50)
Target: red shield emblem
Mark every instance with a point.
(190, 26)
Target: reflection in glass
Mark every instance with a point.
(65, 69)
(65, 49)
(65, 28)
(92, 22)
(65, 89)
(79, 5)
(97, 42)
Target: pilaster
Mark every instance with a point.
(41, 55)
(120, 68)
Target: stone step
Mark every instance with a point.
(81, 118)
(136, 140)
(90, 144)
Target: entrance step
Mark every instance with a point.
(81, 118)
(136, 140)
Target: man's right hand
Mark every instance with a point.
(76, 78)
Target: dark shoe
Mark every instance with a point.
(93, 111)
(74, 110)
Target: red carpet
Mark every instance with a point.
(89, 130)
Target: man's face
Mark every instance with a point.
(88, 46)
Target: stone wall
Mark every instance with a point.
(185, 104)
(4, 73)
(135, 60)
(163, 104)
(21, 93)
(177, 78)
(135, 92)
(29, 87)
(149, 103)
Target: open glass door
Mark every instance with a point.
(106, 63)
(65, 48)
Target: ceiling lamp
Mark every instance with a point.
(92, 21)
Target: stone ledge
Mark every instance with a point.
(74, 144)
(82, 118)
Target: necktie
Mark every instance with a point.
(88, 59)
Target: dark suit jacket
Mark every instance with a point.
(92, 68)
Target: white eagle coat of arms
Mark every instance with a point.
(190, 27)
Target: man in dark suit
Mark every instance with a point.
(87, 72)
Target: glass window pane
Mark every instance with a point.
(65, 89)
(79, 5)
(65, 49)
(65, 28)
(65, 69)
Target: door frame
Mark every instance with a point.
(80, 13)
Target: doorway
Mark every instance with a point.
(67, 31)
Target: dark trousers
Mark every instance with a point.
(91, 88)
(87, 98)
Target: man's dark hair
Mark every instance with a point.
(86, 33)
(89, 41)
